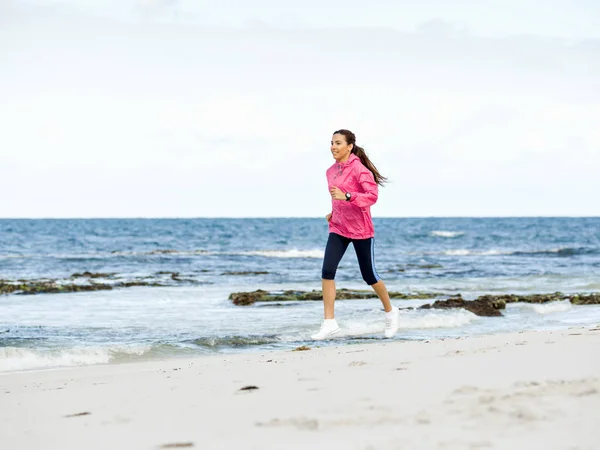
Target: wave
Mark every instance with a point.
(562, 251)
(465, 252)
(550, 307)
(447, 234)
(450, 319)
(413, 321)
(234, 341)
(19, 358)
(291, 253)
(294, 253)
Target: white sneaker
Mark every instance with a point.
(391, 322)
(329, 327)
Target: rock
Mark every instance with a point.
(541, 298)
(478, 307)
(591, 299)
(489, 305)
(92, 275)
(33, 287)
(532, 298)
(137, 283)
(414, 296)
(504, 298)
(48, 287)
(302, 348)
(248, 298)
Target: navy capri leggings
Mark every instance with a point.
(364, 248)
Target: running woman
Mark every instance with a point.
(352, 181)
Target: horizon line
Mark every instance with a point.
(296, 217)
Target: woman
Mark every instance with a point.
(352, 181)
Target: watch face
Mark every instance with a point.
(348, 195)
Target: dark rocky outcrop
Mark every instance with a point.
(248, 298)
(591, 299)
(479, 307)
(489, 305)
(52, 287)
(485, 305)
(48, 287)
(92, 275)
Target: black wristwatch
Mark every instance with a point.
(348, 196)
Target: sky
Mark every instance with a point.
(167, 108)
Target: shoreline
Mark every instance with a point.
(341, 340)
(509, 390)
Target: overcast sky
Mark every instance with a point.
(171, 108)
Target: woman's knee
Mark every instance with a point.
(328, 273)
(370, 279)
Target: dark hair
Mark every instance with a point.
(360, 152)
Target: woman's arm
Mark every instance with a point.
(370, 190)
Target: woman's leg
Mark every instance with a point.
(335, 249)
(365, 252)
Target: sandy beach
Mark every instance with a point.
(523, 390)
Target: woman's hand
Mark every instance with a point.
(328, 217)
(337, 194)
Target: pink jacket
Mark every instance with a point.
(352, 219)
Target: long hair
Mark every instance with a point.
(360, 152)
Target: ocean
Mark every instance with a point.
(191, 266)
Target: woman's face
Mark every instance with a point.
(340, 148)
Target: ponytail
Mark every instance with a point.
(360, 152)
(362, 155)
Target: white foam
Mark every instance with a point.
(551, 307)
(412, 321)
(457, 252)
(448, 234)
(450, 319)
(18, 358)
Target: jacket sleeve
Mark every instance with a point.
(370, 191)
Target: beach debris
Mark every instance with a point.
(301, 423)
(302, 348)
(248, 388)
(357, 363)
(85, 413)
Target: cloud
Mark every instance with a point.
(126, 116)
(155, 7)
